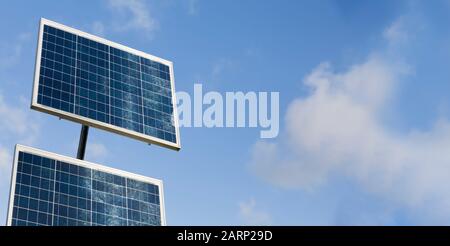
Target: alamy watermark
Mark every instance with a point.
(233, 109)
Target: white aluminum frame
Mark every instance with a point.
(95, 123)
(82, 163)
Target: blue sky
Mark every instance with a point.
(364, 108)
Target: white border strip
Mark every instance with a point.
(12, 188)
(95, 123)
(82, 163)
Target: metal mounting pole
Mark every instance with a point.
(82, 144)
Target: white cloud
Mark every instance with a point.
(251, 215)
(98, 28)
(335, 123)
(396, 32)
(404, 31)
(135, 15)
(338, 130)
(17, 123)
(96, 151)
(220, 66)
(10, 52)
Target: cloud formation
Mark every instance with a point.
(338, 130)
(10, 53)
(17, 123)
(134, 15)
(96, 151)
(98, 28)
(251, 215)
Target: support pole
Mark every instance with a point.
(82, 144)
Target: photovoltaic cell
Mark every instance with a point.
(106, 85)
(49, 191)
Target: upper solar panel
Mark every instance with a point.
(93, 81)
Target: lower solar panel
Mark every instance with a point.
(53, 190)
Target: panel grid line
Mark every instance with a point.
(54, 193)
(75, 75)
(91, 188)
(142, 94)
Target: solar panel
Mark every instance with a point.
(50, 189)
(96, 82)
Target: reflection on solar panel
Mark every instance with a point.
(49, 189)
(96, 82)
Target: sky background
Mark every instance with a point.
(364, 107)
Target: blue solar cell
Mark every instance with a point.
(52, 192)
(86, 78)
